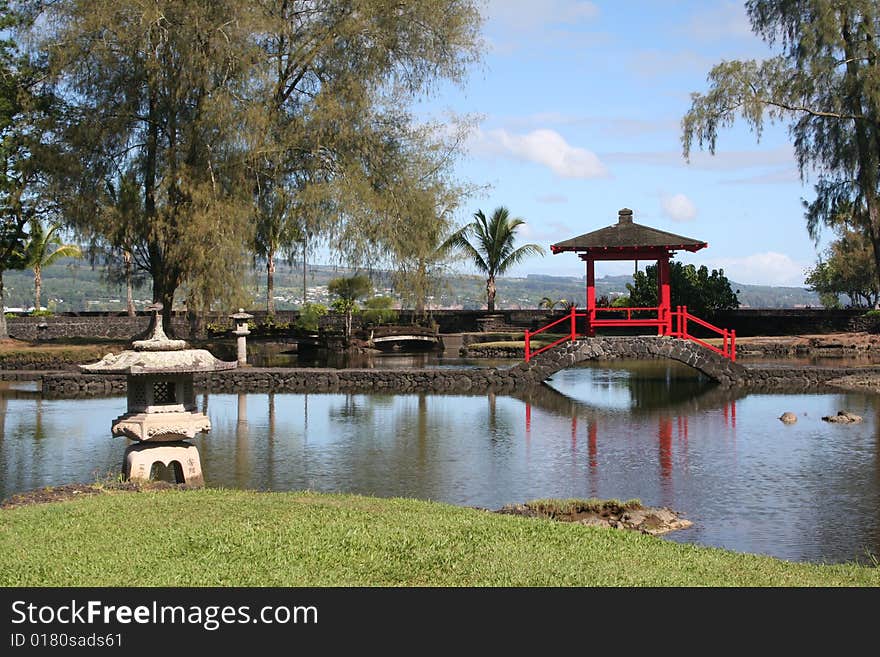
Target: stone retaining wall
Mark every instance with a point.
(84, 326)
(745, 321)
(259, 379)
(770, 378)
(473, 381)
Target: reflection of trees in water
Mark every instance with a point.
(3, 406)
(242, 460)
(354, 406)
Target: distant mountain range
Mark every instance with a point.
(750, 296)
(75, 286)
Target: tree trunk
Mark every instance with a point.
(129, 291)
(4, 330)
(270, 283)
(490, 294)
(421, 290)
(167, 306)
(305, 262)
(38, 286)
(194, 318)
(164, 293)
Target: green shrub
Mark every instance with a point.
(41, 313)
(217, 328)
(310, 315)
(271, 324)
(872, 313)
(378, 310)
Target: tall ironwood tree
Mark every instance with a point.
(332, 137)
(824, 84)
(152, 90)
(27, 157)
(287, 110)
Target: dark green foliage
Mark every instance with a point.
(848, 268)
(379, 310)
(824, 85)
(704, 293)
(348, 290)
(27, 108)
(310, 316)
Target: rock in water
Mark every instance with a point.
(843, 417)
(788, 417)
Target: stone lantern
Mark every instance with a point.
(241, 332)
(162, 413)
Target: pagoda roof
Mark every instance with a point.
(627, 235)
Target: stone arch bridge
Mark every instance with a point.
(714, 366)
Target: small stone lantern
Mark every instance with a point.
(162, 413)
(241, 331)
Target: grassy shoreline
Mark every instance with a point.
(220, 537)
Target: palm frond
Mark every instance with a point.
(516, 257)
(458, 241)
(63, 251)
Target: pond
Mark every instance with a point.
(650, 430)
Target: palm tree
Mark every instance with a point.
(549, 304)
(493, 252)
(43, 249)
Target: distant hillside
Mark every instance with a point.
(75, 286)
(750, 296)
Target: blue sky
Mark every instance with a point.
(580, 106)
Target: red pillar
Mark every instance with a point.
(591, 297)
(592, 449)
(664, 297)
(665, 435)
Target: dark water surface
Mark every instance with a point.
(651, 430)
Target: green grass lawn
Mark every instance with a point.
(238, 538)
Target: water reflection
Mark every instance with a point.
(805, 491)
(276, 354)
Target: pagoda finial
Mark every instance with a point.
(158, 341)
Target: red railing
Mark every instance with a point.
(673, 324)
(728, 338)
(572, 317)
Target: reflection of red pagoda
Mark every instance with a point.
(664, 436)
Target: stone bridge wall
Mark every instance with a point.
(716, 367)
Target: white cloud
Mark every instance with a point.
(540, 27)
(679, 207)
(544, 147)
(723, 160)
(769, 268)
(720, 21)
(533, 16)
(784, 175)
(609, 125)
